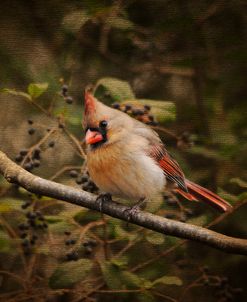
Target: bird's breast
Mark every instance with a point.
(125, 173)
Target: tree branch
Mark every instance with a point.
(16, 174)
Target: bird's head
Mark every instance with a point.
(103, 125)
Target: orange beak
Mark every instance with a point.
(93, 137)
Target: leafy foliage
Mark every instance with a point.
(178, 66)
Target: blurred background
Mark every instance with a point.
(179, 66)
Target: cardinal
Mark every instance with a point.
(127, 159)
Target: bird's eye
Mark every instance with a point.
(103, 124)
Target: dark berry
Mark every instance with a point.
(31, 215)
(23, 152)
(38, 213)
(72, 256)
(137, 112)
(73, 173)
(36, 163)
(64, 89)
(61, 126)
(18, 158)
(25, 243)
(224, 280)
(36, 153)
(79, 180)
(23, 226)
(32, 223)
(34, 237)
(25, 205)
(92, 242)
(205, 269)
(69, 100)
(170, 216)
(147, 107)
(28, 166)
(116, 105)
(48, 129)
(127, 107)
(86, 186)
(88, 250)
(30, 122)
(31, 131)
(32, 242)
(45, 225)
(51, 144)
(70, 241)
(67, 233)
(27, 252)
(23, 235)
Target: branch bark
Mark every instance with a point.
(16, 174)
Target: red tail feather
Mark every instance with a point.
(196, 192)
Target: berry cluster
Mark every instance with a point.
(84, 180)
(141, 113)
(30, 230)
(223, 289)
(76, 252)
(31, 158)
(64, 93)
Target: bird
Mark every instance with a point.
(126, 158)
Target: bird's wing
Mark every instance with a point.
(158, 152)
(169, 165)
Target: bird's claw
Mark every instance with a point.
(132, 211)
(103, 198)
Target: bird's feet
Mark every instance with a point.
(132, 211)
(104, 197)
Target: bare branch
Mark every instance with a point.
(16, 174)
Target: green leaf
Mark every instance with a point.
(16, 93)
(68, 274)
(120, 233)
(205, 152)
(130, 280)
(155, 238)
(36, 89)
(200, 220)
(85, 216)
(168, 280)
(5, 242)
(241, 183)
(75, 20)
(60, 227)
(120, 262)
(116, 278)
(119, 23)
(110, 274)
(145, 296)
(163, 111)
(111, 90)
(9, 205)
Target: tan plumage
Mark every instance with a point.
(126, 158)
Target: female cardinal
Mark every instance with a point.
(127, 159)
